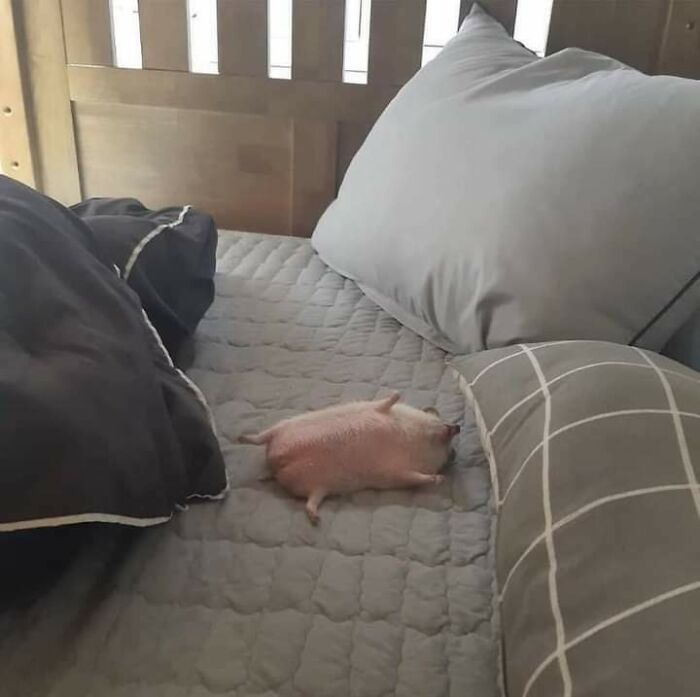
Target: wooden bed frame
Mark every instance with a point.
(259, 154)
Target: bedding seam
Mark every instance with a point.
(136, 251)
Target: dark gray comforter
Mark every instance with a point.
(96, 423)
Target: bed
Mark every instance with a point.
(391, 594)
(394, 593)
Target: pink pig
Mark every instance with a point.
(360, 445)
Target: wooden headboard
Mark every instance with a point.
(258, 153)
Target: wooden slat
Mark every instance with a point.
(15, 146)
(679, 53)
(502, 10)
(164, 42)
(313, 187)
(291, 98)
(629, 30)
(242, 30)
(396, 40)
(42, 47)
(87, 27)
(317, 39)
(236, 167)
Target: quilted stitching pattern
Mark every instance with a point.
(390, 595)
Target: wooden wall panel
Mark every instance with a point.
(164, 34)
(242, 31)
(680, 48)
(318, 34)
(249, 172)
(313, 173)
(87, 27)
(629, 30)
(329, 101)
(396, 40)
(350, 138)
(233, 166)
(503, 10)
(48, 103)
(15, 144)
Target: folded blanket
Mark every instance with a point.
(96, 423)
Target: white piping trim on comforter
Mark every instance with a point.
(133, 258)
(199, 397)
(82, 518)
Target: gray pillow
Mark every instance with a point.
(504, 198)
(595, 459)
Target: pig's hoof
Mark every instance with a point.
(312, 504)
(438, 479)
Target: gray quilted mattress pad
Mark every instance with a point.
(390, 595)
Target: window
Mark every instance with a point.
(279, 27)
(126, 33)
(356, 48)
(441, 24)
(532, 24)
(204, 41)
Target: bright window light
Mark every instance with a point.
(203, 38)
(279, 25)
(126, 33)
(532, 24)
(441, 24)
(356, 49)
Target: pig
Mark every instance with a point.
(354, 446)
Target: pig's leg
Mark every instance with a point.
(312, 504)
(384, 405)
(412, 478)
(257, 438)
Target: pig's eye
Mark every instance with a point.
(431, 410)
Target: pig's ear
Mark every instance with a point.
(431, 410)
(385, 404)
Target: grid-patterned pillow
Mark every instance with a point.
(595, 458)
